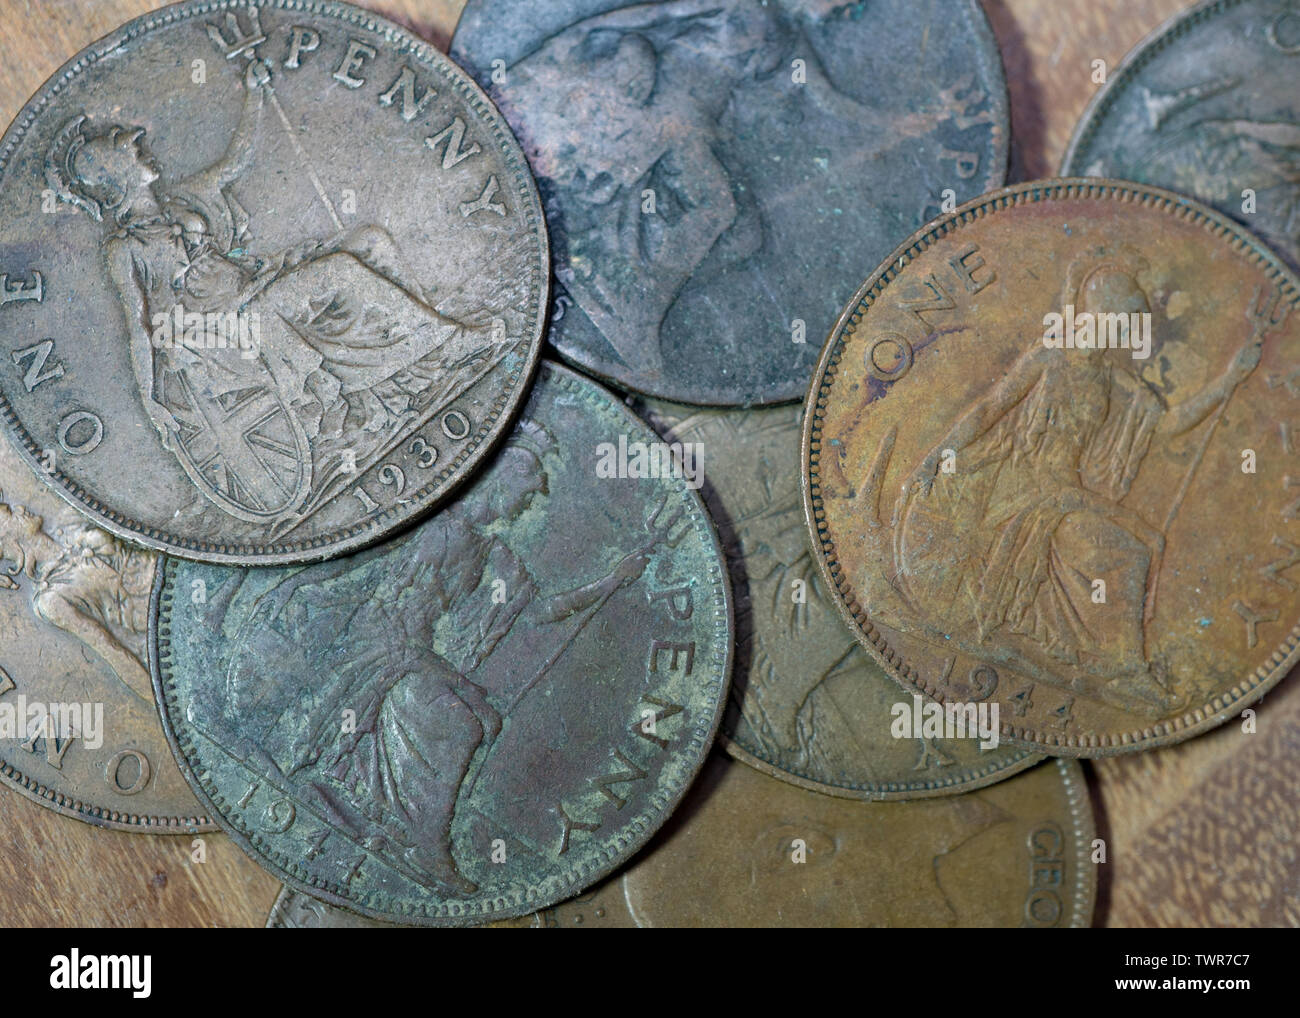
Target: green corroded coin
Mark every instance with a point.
(477, 719)
(808, 705)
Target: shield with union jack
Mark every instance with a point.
(244, 449)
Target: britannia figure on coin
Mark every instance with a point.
(422, 722)
(1003, 552)
(330, 332)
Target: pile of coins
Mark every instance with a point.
(426, 470)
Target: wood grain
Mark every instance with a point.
(1198, 834)
(57, 871)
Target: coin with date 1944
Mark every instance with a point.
(481, 717)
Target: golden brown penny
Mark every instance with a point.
(1050, 465)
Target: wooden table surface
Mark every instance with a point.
(1202, 834)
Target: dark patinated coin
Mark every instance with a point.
(483, 716)
(1049, 465)
(744, 850)
(718, 173)
(808, 704)
(272, 279)
(78, 728)
(1208, 105)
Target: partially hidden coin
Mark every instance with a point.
(78, 729)
(717, 174)
(272, 279)
(481, 717)
(745, 850)
(808, 704)
(1209, 105)
(1049, 466)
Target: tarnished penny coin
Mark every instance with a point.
(1049, 465)
(744, 850)
(808, 704)
(718, 174)
(1208, 105)
(481, 717)
(272, 279)
(78, 728)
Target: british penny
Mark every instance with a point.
(1048, 465)
(1209, 105)
(745, 850)
(481, 717)
(808, 704)
(694, 157)
(78, 730)
(272, 279)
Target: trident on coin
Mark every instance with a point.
(238, 43)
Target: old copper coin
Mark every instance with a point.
(481, 717)
(808, 704)
(78, 728)
(696, 158)
(272, 279)
(1014, 854)
(1209, 105)
(1100, 541)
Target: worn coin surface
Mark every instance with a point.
(1099, 540)
(481, 717)
(272, 279)
(1208, 105)
(744, 850)
(807, 703)
(696, 158)
(78, 728)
